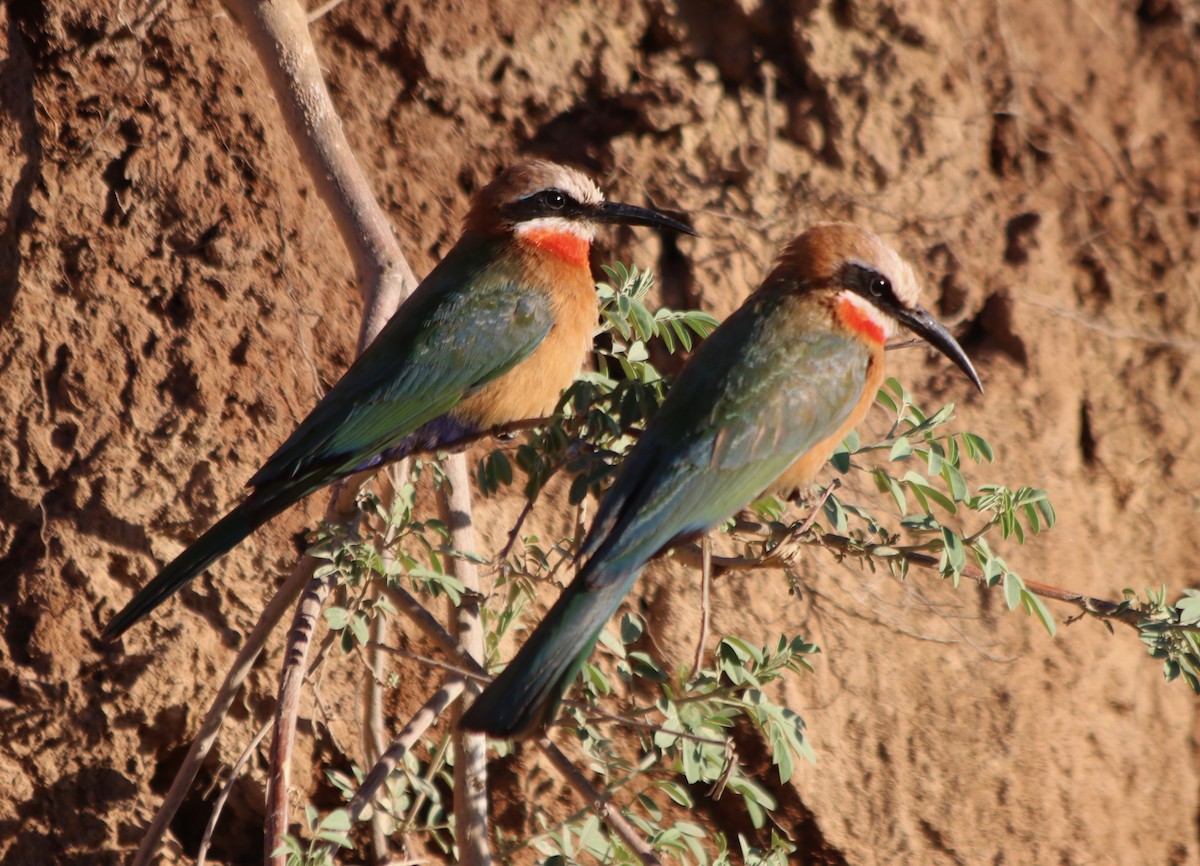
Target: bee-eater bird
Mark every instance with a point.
(492, 336)
(758, 408)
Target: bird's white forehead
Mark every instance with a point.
(581, 188)
(574, 183)
(888, 263)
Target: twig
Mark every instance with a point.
(430, 627)
(502, 556)
(598, 715)
(280, 604)
(472, 671)
(324, 9)
(227, 788)
(705, 585)
(723, 565)
(278, 30)
(411, 733)
(1108, 610)
(470, 750)
(373, 724)
(599, 803)
(287, 709)
(240, 764)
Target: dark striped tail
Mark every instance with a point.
(524, 697)
(224, 535)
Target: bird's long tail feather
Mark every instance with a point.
(524, 697)
(222, 537)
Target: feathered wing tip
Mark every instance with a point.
(523, 698)
(223, 536)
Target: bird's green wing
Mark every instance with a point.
(757, 395)
(470, 321)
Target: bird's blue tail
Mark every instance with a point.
(224, 535)
(524, 697)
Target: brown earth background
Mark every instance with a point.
(173, 297)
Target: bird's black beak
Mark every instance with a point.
(632, 215)
(929, 329)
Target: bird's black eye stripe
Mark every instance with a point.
(871, 284)
(546, 202)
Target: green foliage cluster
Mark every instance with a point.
(663, 739)
(943, 500)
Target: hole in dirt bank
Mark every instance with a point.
(594, 120)
(64, 436)
(1019, 237)
(181, 384)
(1098, 286)
(953, 293)
(1087, 434)
(1158, 13)
(18, 631)
(992, 331)
(239, 836)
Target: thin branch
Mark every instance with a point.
(430, 627)
(240, 764)
(412, 732)
(227, 788)
(598, 715)
(373, 724)
(287, 708)
(341, 510)
(777, 558)
(278, 30)
(470, 750)
(705, 586)
(599, 803)
(1108, 610)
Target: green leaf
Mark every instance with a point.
(953, 553)
(901, 449)
(1012, 590)
(1034, 605)
(955, 481)
(632, 628)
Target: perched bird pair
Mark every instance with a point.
(493, 335)
(501, 326)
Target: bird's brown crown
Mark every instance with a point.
(818, 258)
(493, 206)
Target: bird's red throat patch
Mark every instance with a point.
(860, 321)
(564, 244)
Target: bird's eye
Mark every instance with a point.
(554, 199)
(879, 287)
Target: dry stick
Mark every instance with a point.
(722, 565)
(599, 802)
(240, 764)
(432, 629)
(470, 750)
(473, 671)
(227, 788)
(1103, 608)
(412, 732)
(705, 584)
(280, 37)
(374, 725)
(278, 30)
(341, 510)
